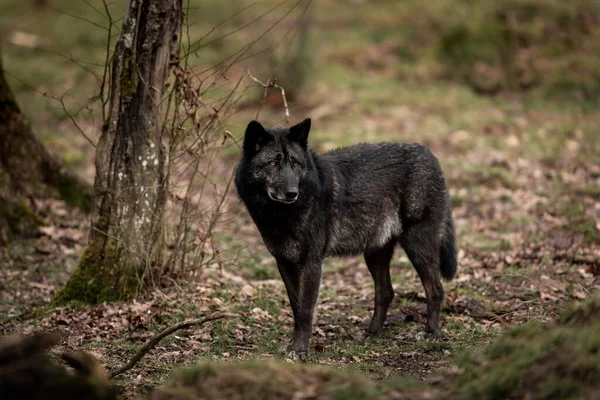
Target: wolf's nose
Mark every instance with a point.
(291, 195)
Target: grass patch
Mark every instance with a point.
(579, 222)
(589, 231)
(487, 176)
(592, 191)
(262, 379)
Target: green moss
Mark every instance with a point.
(579, 222)
(538, 361)
(190, 375)
(268, 380)
(17, 220)
(503, 176)
(464, 46)
(105, 125)
(350, 391)
(457, 200)
(592, 191)
(99, 277)
(129, 78)
(589, 231)
(573, 209)
(582, 314)
(569, 87)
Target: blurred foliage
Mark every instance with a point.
(520, 44)
(550, 46)
(274, 380)
(537, 361)
(295, 67)
(29, 371)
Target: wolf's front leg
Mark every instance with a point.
(302, 285)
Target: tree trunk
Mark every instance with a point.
(32, 170)
(17, 220)
(125, 243)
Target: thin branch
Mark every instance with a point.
(242, 51)
(262, 102)
(238, 29)
(271, 84)
(105, 97)
(77, 17)
(157, 338)
(59, 100)
(295, 30)
(70, 58)
(197, 42)
(74, 122)
(93, 8)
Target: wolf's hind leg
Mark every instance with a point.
(378, 262)
(421, 243)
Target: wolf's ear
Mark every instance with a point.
(256, 136)
(299, 132)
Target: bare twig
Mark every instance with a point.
(93, 8)
(272, 84)
(77, 17)
(74, 121)
(198, 43)
(104, 97)
(154, 341)
(222, 66)
(59, 100)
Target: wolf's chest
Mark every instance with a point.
(286, 247)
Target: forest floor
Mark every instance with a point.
(524, 177)
(528, 243)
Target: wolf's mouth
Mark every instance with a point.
(284, 200)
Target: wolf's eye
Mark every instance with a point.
(294, 163)
(273, 163)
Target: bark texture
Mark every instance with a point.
(125, 243)
(32, 170)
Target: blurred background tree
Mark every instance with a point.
(31, 171)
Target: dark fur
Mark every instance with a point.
(362, 199)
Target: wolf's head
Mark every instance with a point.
(276, 160)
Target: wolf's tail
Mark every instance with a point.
(448, 263)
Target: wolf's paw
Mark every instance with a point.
(295, 356)
(295, 353)
(432, 334)
(369, 336)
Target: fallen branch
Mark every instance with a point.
(271, 84)
(154, 341)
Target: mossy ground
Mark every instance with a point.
(539, 361)
(257, 380)
(99, 277)
(522, 168)
(532, 361)
(17, 219)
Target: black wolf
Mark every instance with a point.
(362, 199)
